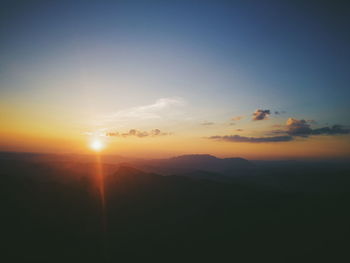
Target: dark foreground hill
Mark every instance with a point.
(52, 213)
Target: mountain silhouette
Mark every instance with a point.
(185, 164)
(284, 209)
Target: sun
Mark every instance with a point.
(96, 145)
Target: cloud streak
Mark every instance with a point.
(138, 133)
(333, 130)
(238, 138)
(207, 123)
(293, 128)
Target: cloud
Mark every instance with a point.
(293, 128)
(97, 133)
(138, 133)
(302, 128)
(276, 132)
(333, 130)
(237, 118)
(207, 123)
(161, 108)
(279, 112)
(239, 130)
(238, 138)
(298, 127)
(259, 115)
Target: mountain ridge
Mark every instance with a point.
(184, 164)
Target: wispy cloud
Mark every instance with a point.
(206, 123)
(238, 138)
(159, 109)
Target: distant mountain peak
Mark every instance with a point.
(207, 158)
(195, 157)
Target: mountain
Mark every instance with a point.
(284, 210)
(185, 164)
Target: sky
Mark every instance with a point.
(255, 79)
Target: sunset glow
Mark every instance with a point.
(142, 130)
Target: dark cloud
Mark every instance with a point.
(259, 115)
(294, 128)
(206, 123)
(333, 130)
(238, 138)
(276, 132)
(298, 127)
(137, 133)
(302, 128)
(232, 123)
